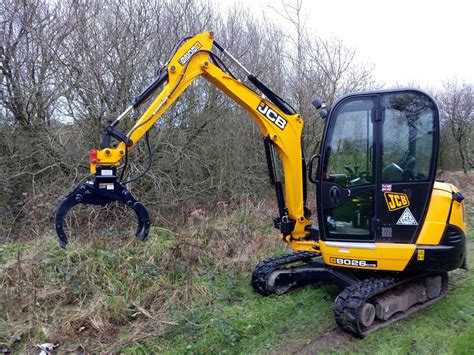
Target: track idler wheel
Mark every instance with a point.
(367, 314)
(101, 194)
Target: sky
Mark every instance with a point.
(408, 41)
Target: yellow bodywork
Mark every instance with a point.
(396, 256)
(109, 156)
(389, 256)
(287, 142)
(457, 213)
(438, 213)
(436, 217)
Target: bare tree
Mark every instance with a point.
(457, 113)
(318, 67)
(69, 67)
(32, 35)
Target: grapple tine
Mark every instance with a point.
(143, 228)
(101, 193)
(74, 198)
(142, 214)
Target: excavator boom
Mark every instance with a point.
(280, 124)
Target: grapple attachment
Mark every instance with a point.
(102, 191)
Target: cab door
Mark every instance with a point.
(409, 142)
(377, 166)
(347, 184)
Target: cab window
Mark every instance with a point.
(348, 159)
(408, 137)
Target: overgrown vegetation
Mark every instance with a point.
(189, 292)
(119, 291)
(67, 68)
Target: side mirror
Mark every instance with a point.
(323, 114)
(318, 103)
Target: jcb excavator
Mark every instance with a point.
(388, 233)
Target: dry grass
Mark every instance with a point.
(106, 291)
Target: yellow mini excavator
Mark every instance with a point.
(388, 233)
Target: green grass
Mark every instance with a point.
(190, 292)
(446, 327)
(241, 322)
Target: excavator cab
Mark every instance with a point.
(387, 232)
(377, 166)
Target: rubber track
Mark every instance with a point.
(266, 267)
(349, 301)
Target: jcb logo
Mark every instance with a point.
(274, 117)
(396, 200)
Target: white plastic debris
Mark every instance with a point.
(46, 348)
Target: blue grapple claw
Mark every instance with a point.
(102, 191)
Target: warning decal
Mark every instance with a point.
(407, 218)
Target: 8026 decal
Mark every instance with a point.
(353, 262)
